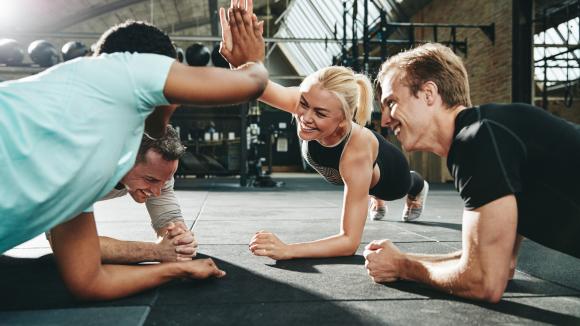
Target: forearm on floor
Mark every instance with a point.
(115, 251)
(334, 246)
(450, 276)
(452, 256)
(116, 281)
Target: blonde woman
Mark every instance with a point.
(331, 108)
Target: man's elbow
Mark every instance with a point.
(490, 289)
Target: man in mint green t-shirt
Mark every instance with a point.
(70, 133)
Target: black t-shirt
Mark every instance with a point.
(498, 150)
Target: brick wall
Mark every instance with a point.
(489, 65)
(557, 107)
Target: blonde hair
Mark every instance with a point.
(431, 62)
(353, 90)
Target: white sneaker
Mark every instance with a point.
(378, 214)
(414, 206)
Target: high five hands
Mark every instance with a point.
(242, 39)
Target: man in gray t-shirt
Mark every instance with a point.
(146, 182)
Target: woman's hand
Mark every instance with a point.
(267, 244)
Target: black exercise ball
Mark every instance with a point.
(197, 55)
(73, 49)
(217, 59)
(10, 52)
(43, 53)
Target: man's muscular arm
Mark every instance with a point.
(481, 272)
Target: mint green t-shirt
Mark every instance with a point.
(69, 134)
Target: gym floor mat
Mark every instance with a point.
(261, 291)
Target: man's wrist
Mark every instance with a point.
(404, 264)
(155, 251)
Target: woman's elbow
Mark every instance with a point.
(349, 248)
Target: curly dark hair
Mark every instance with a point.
(169, 146)
(135, 36)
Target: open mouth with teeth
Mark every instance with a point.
(305, 128)
(396, 128)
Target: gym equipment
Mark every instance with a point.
(257, 138)
(197, 55)
(43, 53)
(73, 49)
(217, 59)
(10, 52)
(180, 55)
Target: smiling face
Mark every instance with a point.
(148, 176)
(319, 113)
(407, 115)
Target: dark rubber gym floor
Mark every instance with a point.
(260, 291)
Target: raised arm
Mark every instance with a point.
(209, 85)
(281, 97)
(242, 31)
(214, 86)
(482, 271)
(76, 249)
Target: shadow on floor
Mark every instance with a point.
(515, 309)
(35, 283)
(452, 226)
(242, 297)
(308, 265)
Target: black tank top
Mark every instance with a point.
(395, 179)
(325, 160)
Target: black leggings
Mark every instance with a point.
(417, 183)
(396, 181)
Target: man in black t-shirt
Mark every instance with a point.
(515, 166)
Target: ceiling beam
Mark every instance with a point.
(89, 13)
(185, 24)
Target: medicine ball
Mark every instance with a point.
(10, 52)
(197, 55)
(217, 59)
(73, 49)
(43, 53)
